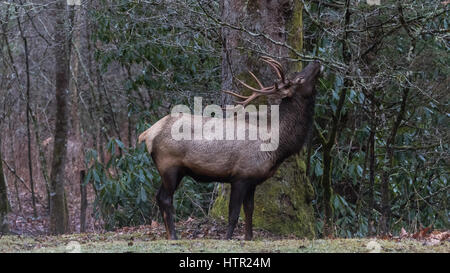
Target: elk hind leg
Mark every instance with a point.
(234, 207)
(248, 210)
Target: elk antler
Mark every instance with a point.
(276, 66)
(263, 91)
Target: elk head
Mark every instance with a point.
(302, 83)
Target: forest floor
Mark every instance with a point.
(196, 235)
(206, 235)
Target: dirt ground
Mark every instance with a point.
(206, 235)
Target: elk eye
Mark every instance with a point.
(299, 80)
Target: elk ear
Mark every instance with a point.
(286, 89)
(288, 92)
(284, 92)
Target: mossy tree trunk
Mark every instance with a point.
(282, 203)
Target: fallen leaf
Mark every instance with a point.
(403, 233)
(421, 233)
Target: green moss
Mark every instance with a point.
(295, 32)
(290, 210)
(282, 204)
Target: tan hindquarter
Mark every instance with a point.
(149, 135)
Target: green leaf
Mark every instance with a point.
(422, 158)
(120, 144)
(359, 170)
(95, 174)
(318, 170)
(87, 179)
(143, 195)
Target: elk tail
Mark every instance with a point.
(146, 137)
(143, 136)
(149, 135)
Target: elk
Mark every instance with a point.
(239, 162)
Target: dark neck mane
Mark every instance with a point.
(296, 118)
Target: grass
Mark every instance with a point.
(140, 242)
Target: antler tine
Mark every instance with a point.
(263, 90)
(268, 59)
(254, 95)
(266, 90)
(249, 99)
(235, 94)
(256, 79)
(246, 99)
(276, 66)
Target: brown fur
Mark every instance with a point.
(239, 162)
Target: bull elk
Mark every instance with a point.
(239, 162)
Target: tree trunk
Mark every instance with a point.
(42, 159)
(4, 202)
(389, 163)
(27, 70)
(282, 203)
(83, 205)
(371, 151)
(328, 144)
(13, 155)
(58, 215)
(327, 188)
(73, 84)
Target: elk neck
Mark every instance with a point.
(296, 118)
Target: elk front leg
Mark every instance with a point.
(234, 207)
(165, 202)
(248, 210)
